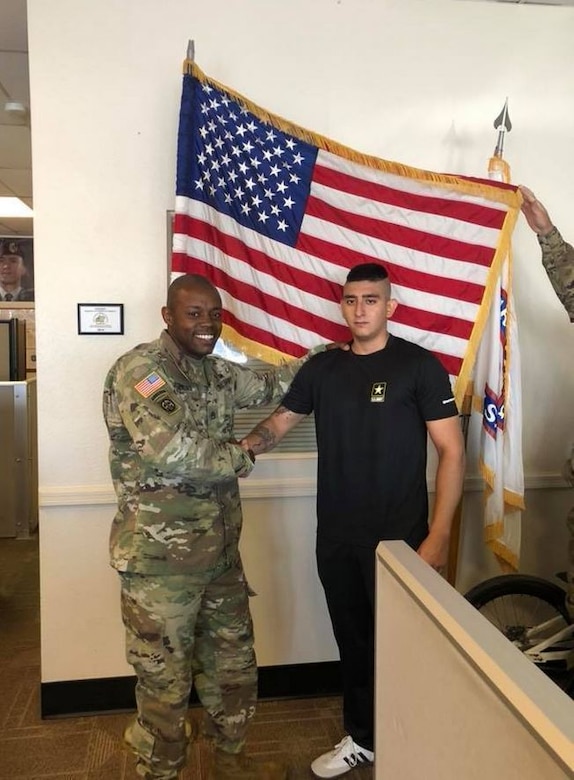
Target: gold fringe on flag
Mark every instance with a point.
(253, 348)
(502, 251)
(481, 189)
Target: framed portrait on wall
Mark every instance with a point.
(16, 272)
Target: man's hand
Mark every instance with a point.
(246, 471)
(244, 444)
(344, 345)
(535, 213)
(434, 550)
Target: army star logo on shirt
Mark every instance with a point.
(378, 391)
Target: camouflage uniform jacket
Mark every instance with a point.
(558, 260)
(170, 423)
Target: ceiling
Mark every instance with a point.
(15, 146)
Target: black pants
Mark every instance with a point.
(347, 574)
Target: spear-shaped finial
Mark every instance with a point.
(190, 58)
(497, 166)
(503, 124)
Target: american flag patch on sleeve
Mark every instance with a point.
(149, 385)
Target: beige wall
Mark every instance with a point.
(410, 80)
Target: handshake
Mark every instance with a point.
(244, 445)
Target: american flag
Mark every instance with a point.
(275, 215)
(149, 384)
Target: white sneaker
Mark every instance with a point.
(345, 756)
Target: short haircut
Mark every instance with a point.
(188, 282)
(367, 272)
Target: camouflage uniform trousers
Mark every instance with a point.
(183, 630)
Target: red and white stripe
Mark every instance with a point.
(437, 242)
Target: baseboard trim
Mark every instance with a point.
(73, 698)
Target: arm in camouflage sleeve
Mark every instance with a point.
(163, 436)
(558, 260)
(258, 387)
(557, 255)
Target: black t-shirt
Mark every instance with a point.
(370, 414)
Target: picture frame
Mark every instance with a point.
(18, 276)
(100, 319)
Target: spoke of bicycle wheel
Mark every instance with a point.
(519, 613)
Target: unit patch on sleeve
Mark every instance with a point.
(378, 391)
(166, 402)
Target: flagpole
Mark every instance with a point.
(499, 170)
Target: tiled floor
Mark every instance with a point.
(90, 748)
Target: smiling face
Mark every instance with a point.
(366, 307)
(193, 316)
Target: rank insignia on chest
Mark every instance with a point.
(149, 384)
(378, 391)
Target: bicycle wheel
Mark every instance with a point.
(527, 610)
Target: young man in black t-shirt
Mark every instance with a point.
(374, 406)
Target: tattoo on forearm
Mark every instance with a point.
(268, 434)
(262, 439)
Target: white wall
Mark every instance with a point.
(419, 81)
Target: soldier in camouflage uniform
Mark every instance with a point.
(169, 407)
(13, 272)
(558, 260)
